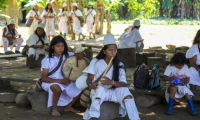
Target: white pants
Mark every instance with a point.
(114, 95)
(194, 76)
(77, 27)
(36, 52)
(18, 42)
(68, 93)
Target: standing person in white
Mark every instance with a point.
(90, 19)
(63, 20)
(37, 42)
(113, 85)
(178, 75)
(193, 54)
(75, 13)
(48, 16)
(130, 39)
(62, 91)
(34, 15)
(9, 37)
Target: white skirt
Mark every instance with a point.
(68, 93)
(181, 91)
(194, 76)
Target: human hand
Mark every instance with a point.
(106, 81)
(65, 81)
(37, 18)
(40, 46)
(94, 85)
(186, 79)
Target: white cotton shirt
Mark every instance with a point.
(99, 68)
(32, 13)
(192, 51)
(91, 15)
(51, 63)
(130, 39)
(172, 70)
(33, 39)
(64, 18)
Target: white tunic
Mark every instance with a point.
(49, 22)
(105, 93)
(194, 74)
(69, 91)
(76, 23)
(63, 18)
(129, 40)
(34, 25)
(182, 90)
(33, 40)
(89, 14)
(18, 41)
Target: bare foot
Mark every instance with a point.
(55, 113)
(71, 109)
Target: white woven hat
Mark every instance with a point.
(90, 3)
(136, 22)
(34, 3)
(41, 25)
(108, 39)
(48, 2)
(74, 4)
(64, 5)
(12, 21)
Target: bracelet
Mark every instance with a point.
(113, 82)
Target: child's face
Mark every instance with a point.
(49, 6)
(58, 48)
(179, 66)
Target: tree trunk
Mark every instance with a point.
(102, 20)
(161, 9)
(97, 18)
(108, 22)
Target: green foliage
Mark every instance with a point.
(160, 21)
(3, 4)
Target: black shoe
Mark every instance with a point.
(93, 118)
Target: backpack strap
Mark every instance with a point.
(57, 67)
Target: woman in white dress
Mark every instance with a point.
(34, 15)
(63, 20)
(48, 16)
(75, 13)
(62, 92)
(193, 54)
(178, 75)
(37, 42)
(9, 37)
(90, 19)
(113, 85)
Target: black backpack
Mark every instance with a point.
(141, 77)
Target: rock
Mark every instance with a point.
(109, 111)
(7, 97)
(148, 100)
(38, 100)
(22, 100)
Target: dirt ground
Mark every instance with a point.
(17, 69)
(154, 35)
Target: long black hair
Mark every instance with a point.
(12, 32)
(56, 40)
(42, 36)
(116, 63)
(197, 38)
(178, 58)
(51, 9)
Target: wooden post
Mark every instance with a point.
(97, 18)
(109, 22)
(102, 20)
